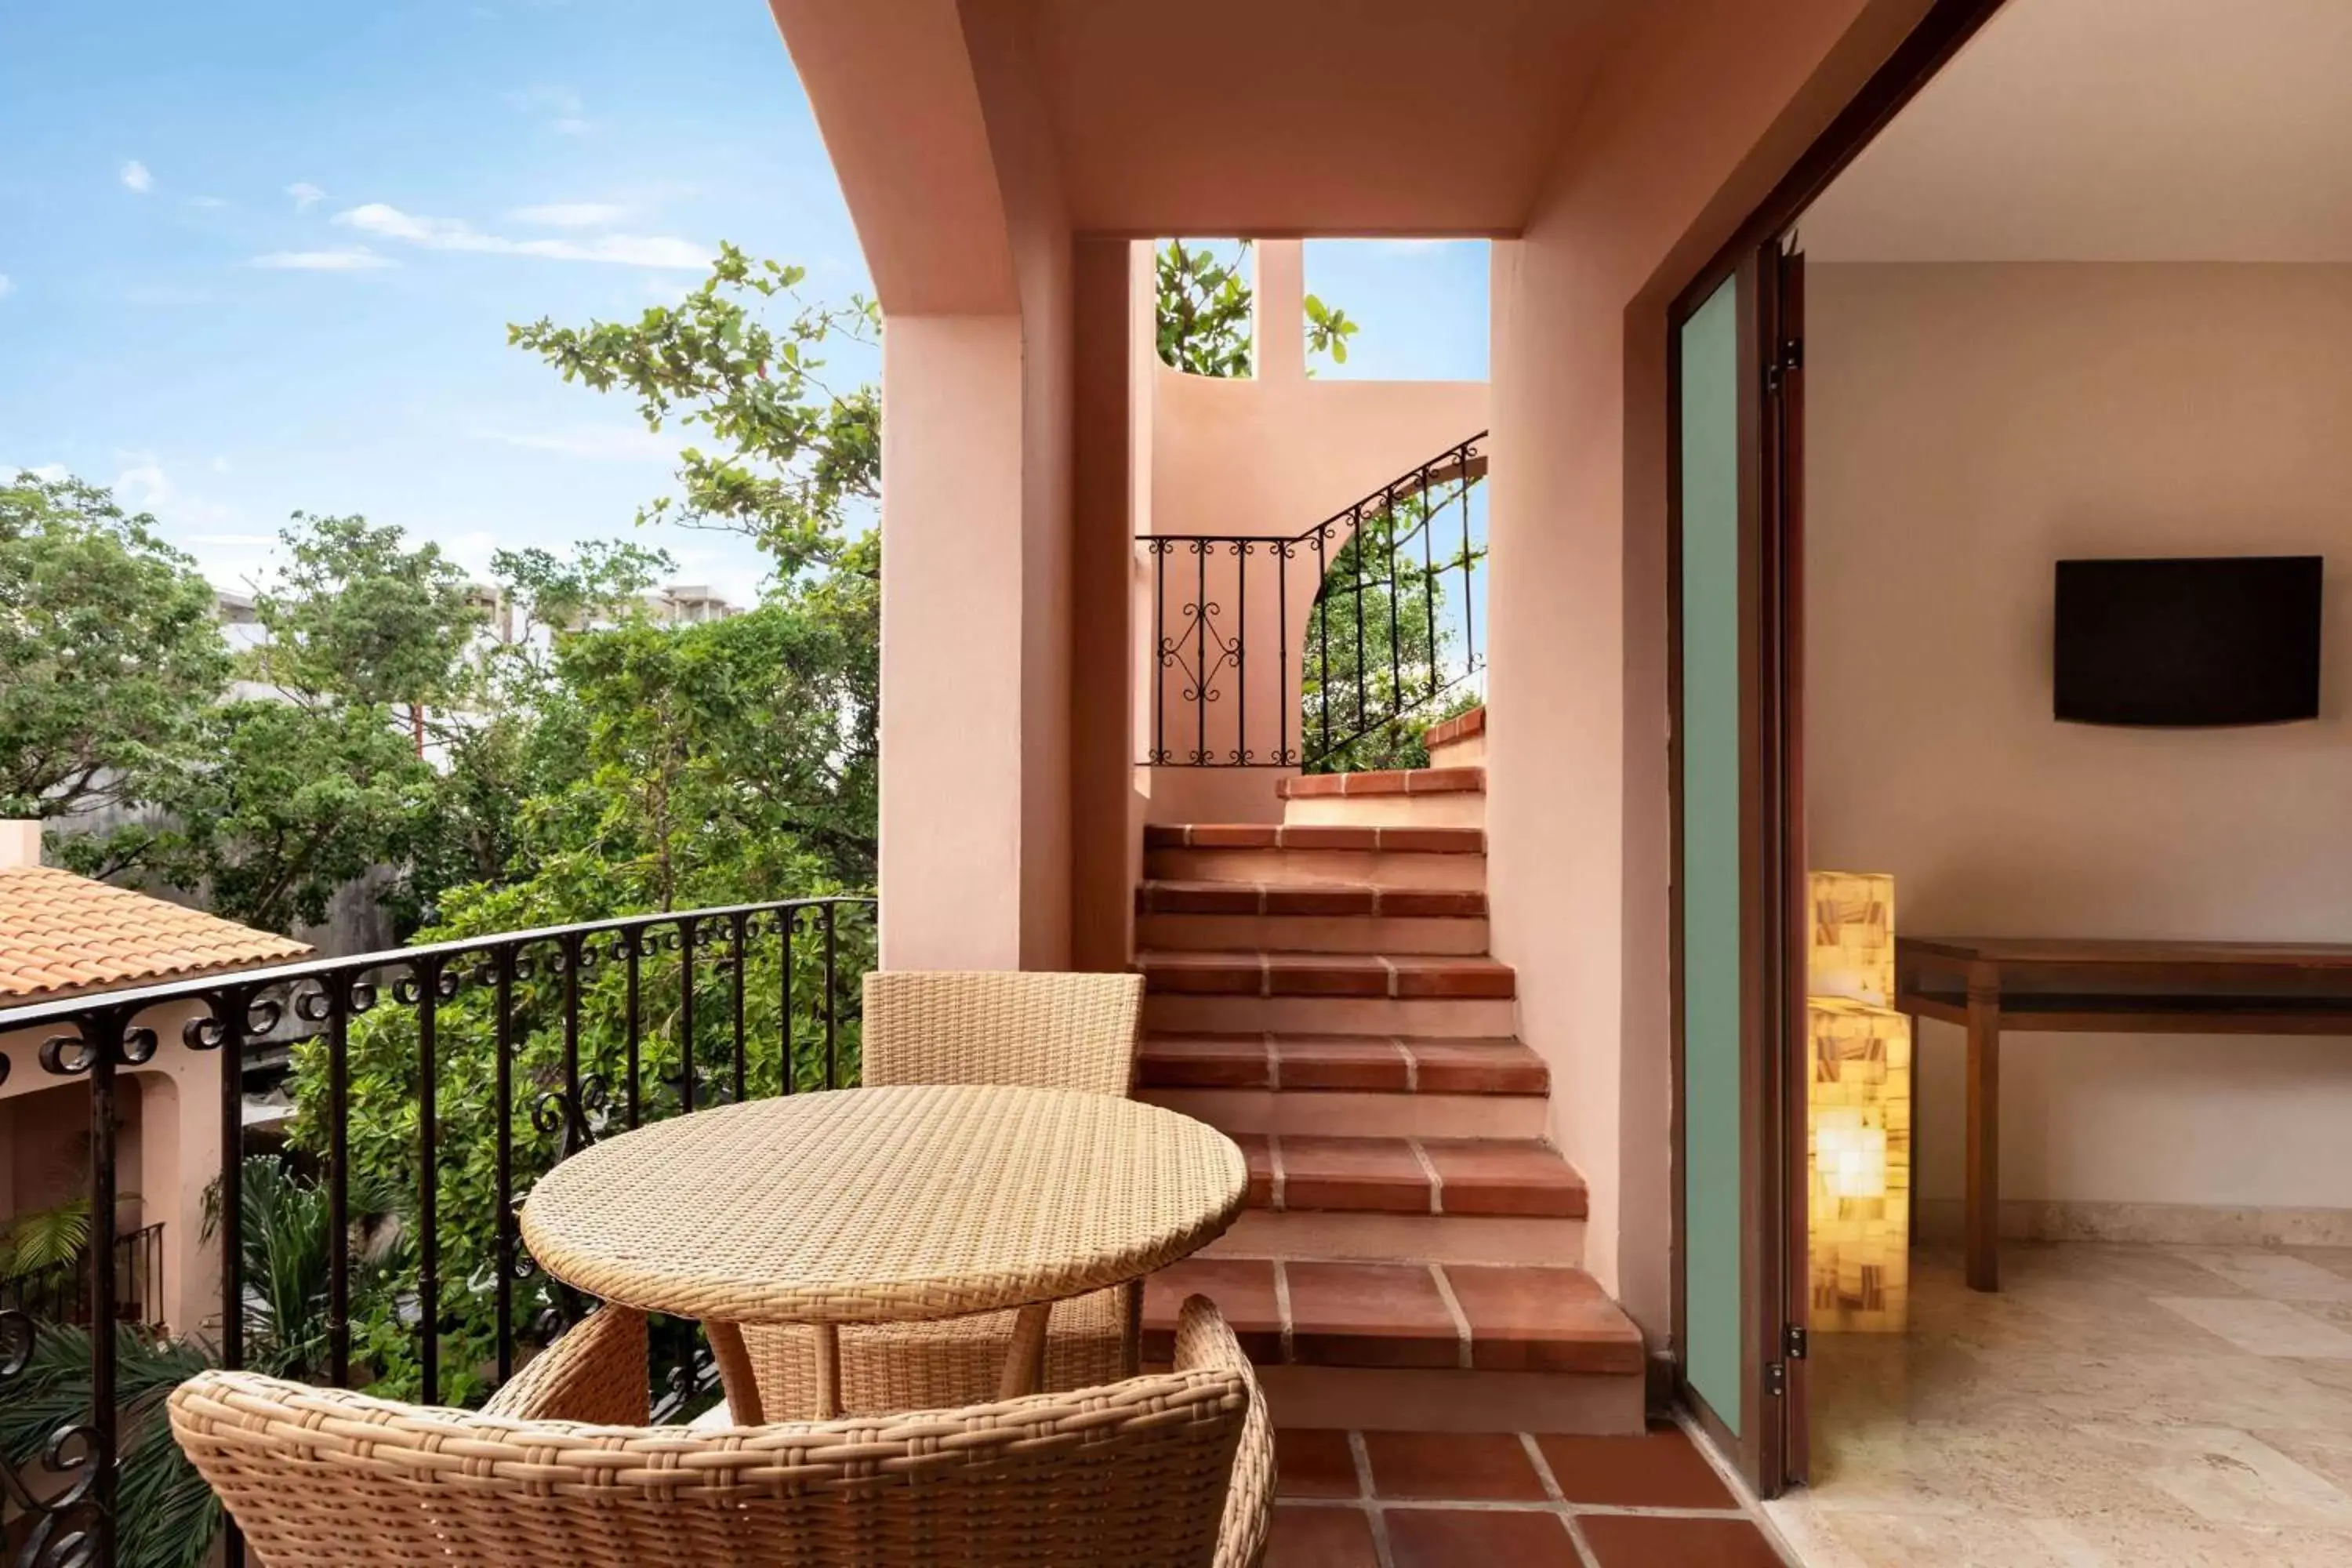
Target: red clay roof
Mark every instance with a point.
(60, 933)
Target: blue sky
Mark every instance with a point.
(260, 255)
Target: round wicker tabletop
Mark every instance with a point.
(884, 1204)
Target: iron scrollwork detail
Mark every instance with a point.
(67, 1523)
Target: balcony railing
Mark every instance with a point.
(1319, 650)
(439, 1083)
(62, 1294)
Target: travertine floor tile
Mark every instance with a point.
(2263, 1328)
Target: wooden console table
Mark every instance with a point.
(1988, 984)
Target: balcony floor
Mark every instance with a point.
(1417, 1499)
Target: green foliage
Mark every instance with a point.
(167, 1517)
(108, 652)
(1203, 314)
(1203, 310)
(1327, 331)
(356, 616)
(792, 453)
(1378, 723)
(285, 1245)
(37, 1240)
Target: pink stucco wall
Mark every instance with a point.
(1690, 126)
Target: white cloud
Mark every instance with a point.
(220, 465)
(456, 234)
(558, 108)
(306, 195)
(7, 288)
(233, 541)
(626, 443)
(571, 214)
(55, 473)
(143, 486)
(572, 125)
(349, 259)
(135, 177)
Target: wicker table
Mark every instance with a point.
(872, 1206)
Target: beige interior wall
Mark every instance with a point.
(1968, 425)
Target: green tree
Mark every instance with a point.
(1372, 710)
(357, 615)
(1203, 313)
(792, 452)
(108, 652)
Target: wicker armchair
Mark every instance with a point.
(1171, 1470)
(1027, 1030)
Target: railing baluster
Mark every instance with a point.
(571, 947)
(686, 1014)
(1429, 582)
(1469, 634)
(632, 958)
(1282, 691)
(231, 1008)
(1201, 649)
(739, 928)
(787, 923)
(1159, 653)
(1322, 641)
(832, 999)
(338, 994)
(107, 1040)
(1241, 652)
(503, 1092)
(427, 978)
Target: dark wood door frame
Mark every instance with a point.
(1771, 1447)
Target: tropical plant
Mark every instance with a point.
(37, 1240)
(1203, 311)
(166, 1517)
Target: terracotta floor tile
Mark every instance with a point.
(1477, 1067)
(1480, 1537)
(1431, 902)
(1315, 1462)
(1206, 1061)
(1242, 1288)
(1425, 975)
(1357, 1174)
(1320, 835)
(1315, 901)
(1308, 1537)
(1199, 899)
(1231, 836)
(1661, 1469)
(1434, 840)
(1259, 1150)
(1325, 974)
(1334, 1061)
(1452, 1467)
(1629, 1540)
(1203, 974)
(1542, 1320)
(1504, 1176)
(1369, 1314)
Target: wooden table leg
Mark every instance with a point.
(1983, 1199)
(1024, 1360)
(735, 1374)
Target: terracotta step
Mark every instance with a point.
(1394, 977)
(1402, 797)
(1308, 918)
(1520, 1177)
(1458, 742)
(1418, 1345)
(1259, 854)
(1300, 1311)
(1387, 1064)
(1180, 1013)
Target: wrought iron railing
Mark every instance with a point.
(62, 1294)
(442, 1080)
(1370, 618)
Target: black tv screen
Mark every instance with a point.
(2227, 640)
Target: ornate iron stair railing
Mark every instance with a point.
(1390, 632)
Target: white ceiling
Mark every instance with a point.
(2116, 131)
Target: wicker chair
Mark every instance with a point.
(1171, 1470)
(1031, 1030)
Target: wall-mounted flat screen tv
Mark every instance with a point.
(2226, 640)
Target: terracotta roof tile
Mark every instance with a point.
(60, 932)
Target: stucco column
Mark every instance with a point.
(1278, 326)
(952, 603)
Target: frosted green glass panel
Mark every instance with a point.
(1710, 869)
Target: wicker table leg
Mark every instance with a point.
(735, 1374)
(828, 1371)
(1025, 1359)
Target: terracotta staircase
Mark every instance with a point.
(1321, 990)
